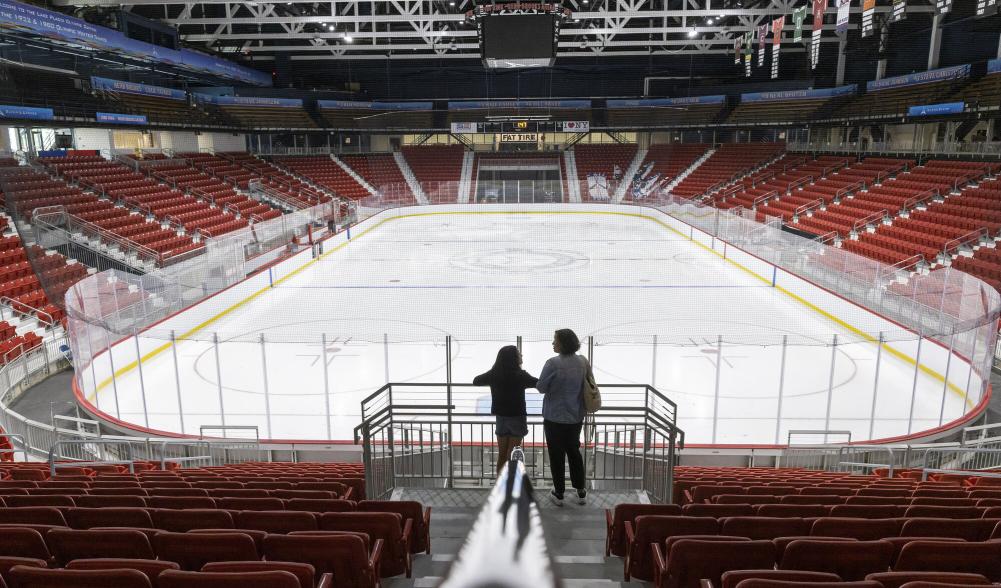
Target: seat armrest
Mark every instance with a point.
(609, 522)
(630, 535)
(348, 494)
(327, 581)
(376, 556)
(705, 583)
(427, 529)
(659, 565)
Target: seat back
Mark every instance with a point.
(29, 577)
(898, 579)
(304, 572)
(321, 505)
(276, 521)
(93, 501)
(717, 510)
(88, 518)
(70, 544)
(654, 529)
(764, 527)
(731, 578)
(866, 511)
(938, 556)
(191, 551)
(851, 560)
(793, 510)
(344, 556)
(629, 512)
(967, 529)
(379, 525)
(861, 529)
(181, 521)
(767, 583)
(32, 515)
(269, 579)
(691, 560)
(944, 512)
(180, 502)
(23, 542)
(151, 567)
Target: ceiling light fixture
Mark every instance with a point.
(348, 39)
(692, 33)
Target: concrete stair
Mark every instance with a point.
(353, 174)
(688, 171)
(573, 183)
(575, 536)
(411, 179)
(627, 177)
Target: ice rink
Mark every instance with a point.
(296, 358)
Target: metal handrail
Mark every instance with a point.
(870, 219)
(53, 464)
(919, 199)
(800, 182)
(808, 208)
(35, 313)
(764, 198)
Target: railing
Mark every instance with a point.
(14, 441)
(808, 209)
(921, 199)
(937, 149)
(764, 198)
(848, 191)
(436, 434)
(863, 224)
(85, 452)
(965, 242)
(800, 182)
(27, 311)
(50, 218)
(506, 545)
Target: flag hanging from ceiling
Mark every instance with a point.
(943, 6)
(819, 6)
(748, 51)
(844, 8)
(986, 8)
(762, 33)
(868, 12)
(899, 10)
(737, 45)
(777, 25)
(798, 16)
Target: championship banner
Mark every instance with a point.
(798, 16)
(899, 11)
(748, 50)
(868, 11)
(777, 25)
(844, 10)
(762, 33)
(736, 50)
(819, 7)
(943, 6)
(986, 8)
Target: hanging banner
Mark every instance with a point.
(777, 25)
(790, 95)
(943, 6)
(994, 66)
(576, 126)
(937, 109)
(748, 51)
(956, 72)
(762, 33)
(986, 8)
(25, 112)
(899, 11)
(819, 6)
(737, 44)
(868, 12)
(661, 102)
(461, 128)
(118, 86)
(844, 10)
(798, 16)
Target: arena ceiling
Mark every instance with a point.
(310, 31)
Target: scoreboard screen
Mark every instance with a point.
(519, 40)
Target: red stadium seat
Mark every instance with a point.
(185, 579)
(28, 577)
(850, 560)
(191, 551)
(343, 555)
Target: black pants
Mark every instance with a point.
(563, 442)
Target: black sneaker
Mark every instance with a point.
(582, 497)
(555, 498)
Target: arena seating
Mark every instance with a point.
(983, 93)
(368, 118)
(602, 159)
(895, 101)
(774, 191)
(688, 114)
(268, 117)
(438, 169)
(784, 506)
(275, 178)
(227, 521)
(324, 172)
(797, 110)
(668, 160)
(382, 173)
(162, 110)
(727, 164)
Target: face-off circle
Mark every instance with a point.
(520, 261)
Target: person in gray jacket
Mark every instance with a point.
(561, 383)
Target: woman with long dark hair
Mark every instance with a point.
(561, 383)
(507, 383)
